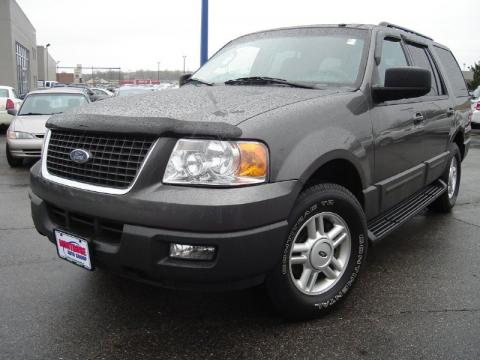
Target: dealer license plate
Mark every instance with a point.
(73, 249)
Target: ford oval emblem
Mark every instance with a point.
(80, 156)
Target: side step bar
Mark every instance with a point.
(384, 224)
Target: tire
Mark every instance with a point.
(13, 161)
(447, 200)
(295, 298)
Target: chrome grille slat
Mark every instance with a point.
(116, 159)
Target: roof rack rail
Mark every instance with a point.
(393, 26)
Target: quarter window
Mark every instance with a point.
(453, 72)
(392, 56)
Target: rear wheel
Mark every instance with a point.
(322, 254)
(13, 161)
(451, 177)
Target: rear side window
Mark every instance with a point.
(454, 73)
(3, 93)
(420, 58)
(392, 56)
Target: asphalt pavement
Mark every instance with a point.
(418, 297)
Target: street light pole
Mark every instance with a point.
(204, 34)
(184, 57)
(46, 48)
(158, 71)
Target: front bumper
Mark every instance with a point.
(25, 148)
(476, 117)
(131, 234)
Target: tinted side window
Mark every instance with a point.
(392, 56)
(420, 59)
(454, 73)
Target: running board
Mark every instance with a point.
(384, 224)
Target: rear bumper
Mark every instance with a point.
(247, 227)
(5, 118)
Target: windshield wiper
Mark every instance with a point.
(198, 81)
(265, 80)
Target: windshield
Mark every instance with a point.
(48, 104)
(476, 93)
(320, 56)
(133, 91)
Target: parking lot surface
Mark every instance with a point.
(418, 297)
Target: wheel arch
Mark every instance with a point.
(459, 138)
(339, 168)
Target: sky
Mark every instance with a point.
(138, 34)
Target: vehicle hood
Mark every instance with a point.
(34, 124)
(215, 110)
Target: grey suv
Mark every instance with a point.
(278, 162)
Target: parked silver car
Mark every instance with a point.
(27, 130)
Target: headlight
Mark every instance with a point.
(19, 135)
(217, 163)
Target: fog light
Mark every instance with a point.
(192, 252)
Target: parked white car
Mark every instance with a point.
(8, 100)
(476, 114)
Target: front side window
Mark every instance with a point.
(392, 56)
(321, 57)
(48, 104)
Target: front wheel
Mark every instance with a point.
(12, 161)
(323, 253)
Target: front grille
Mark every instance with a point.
(115, 159)
(86, 226)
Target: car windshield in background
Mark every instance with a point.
(133, 91)
(476, 93)
(320, 57)
(48, 104)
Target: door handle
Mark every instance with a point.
(418, 118)
(450, 112)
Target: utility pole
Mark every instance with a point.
(204, 34)
(184, 57)
(158, 71)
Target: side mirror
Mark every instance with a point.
(12, 112)
(183, 79)
(403, 83)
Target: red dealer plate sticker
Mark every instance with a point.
(73, 249)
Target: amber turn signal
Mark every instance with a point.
(253, 160)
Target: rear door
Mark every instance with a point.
(437, 110)
(399, 168)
